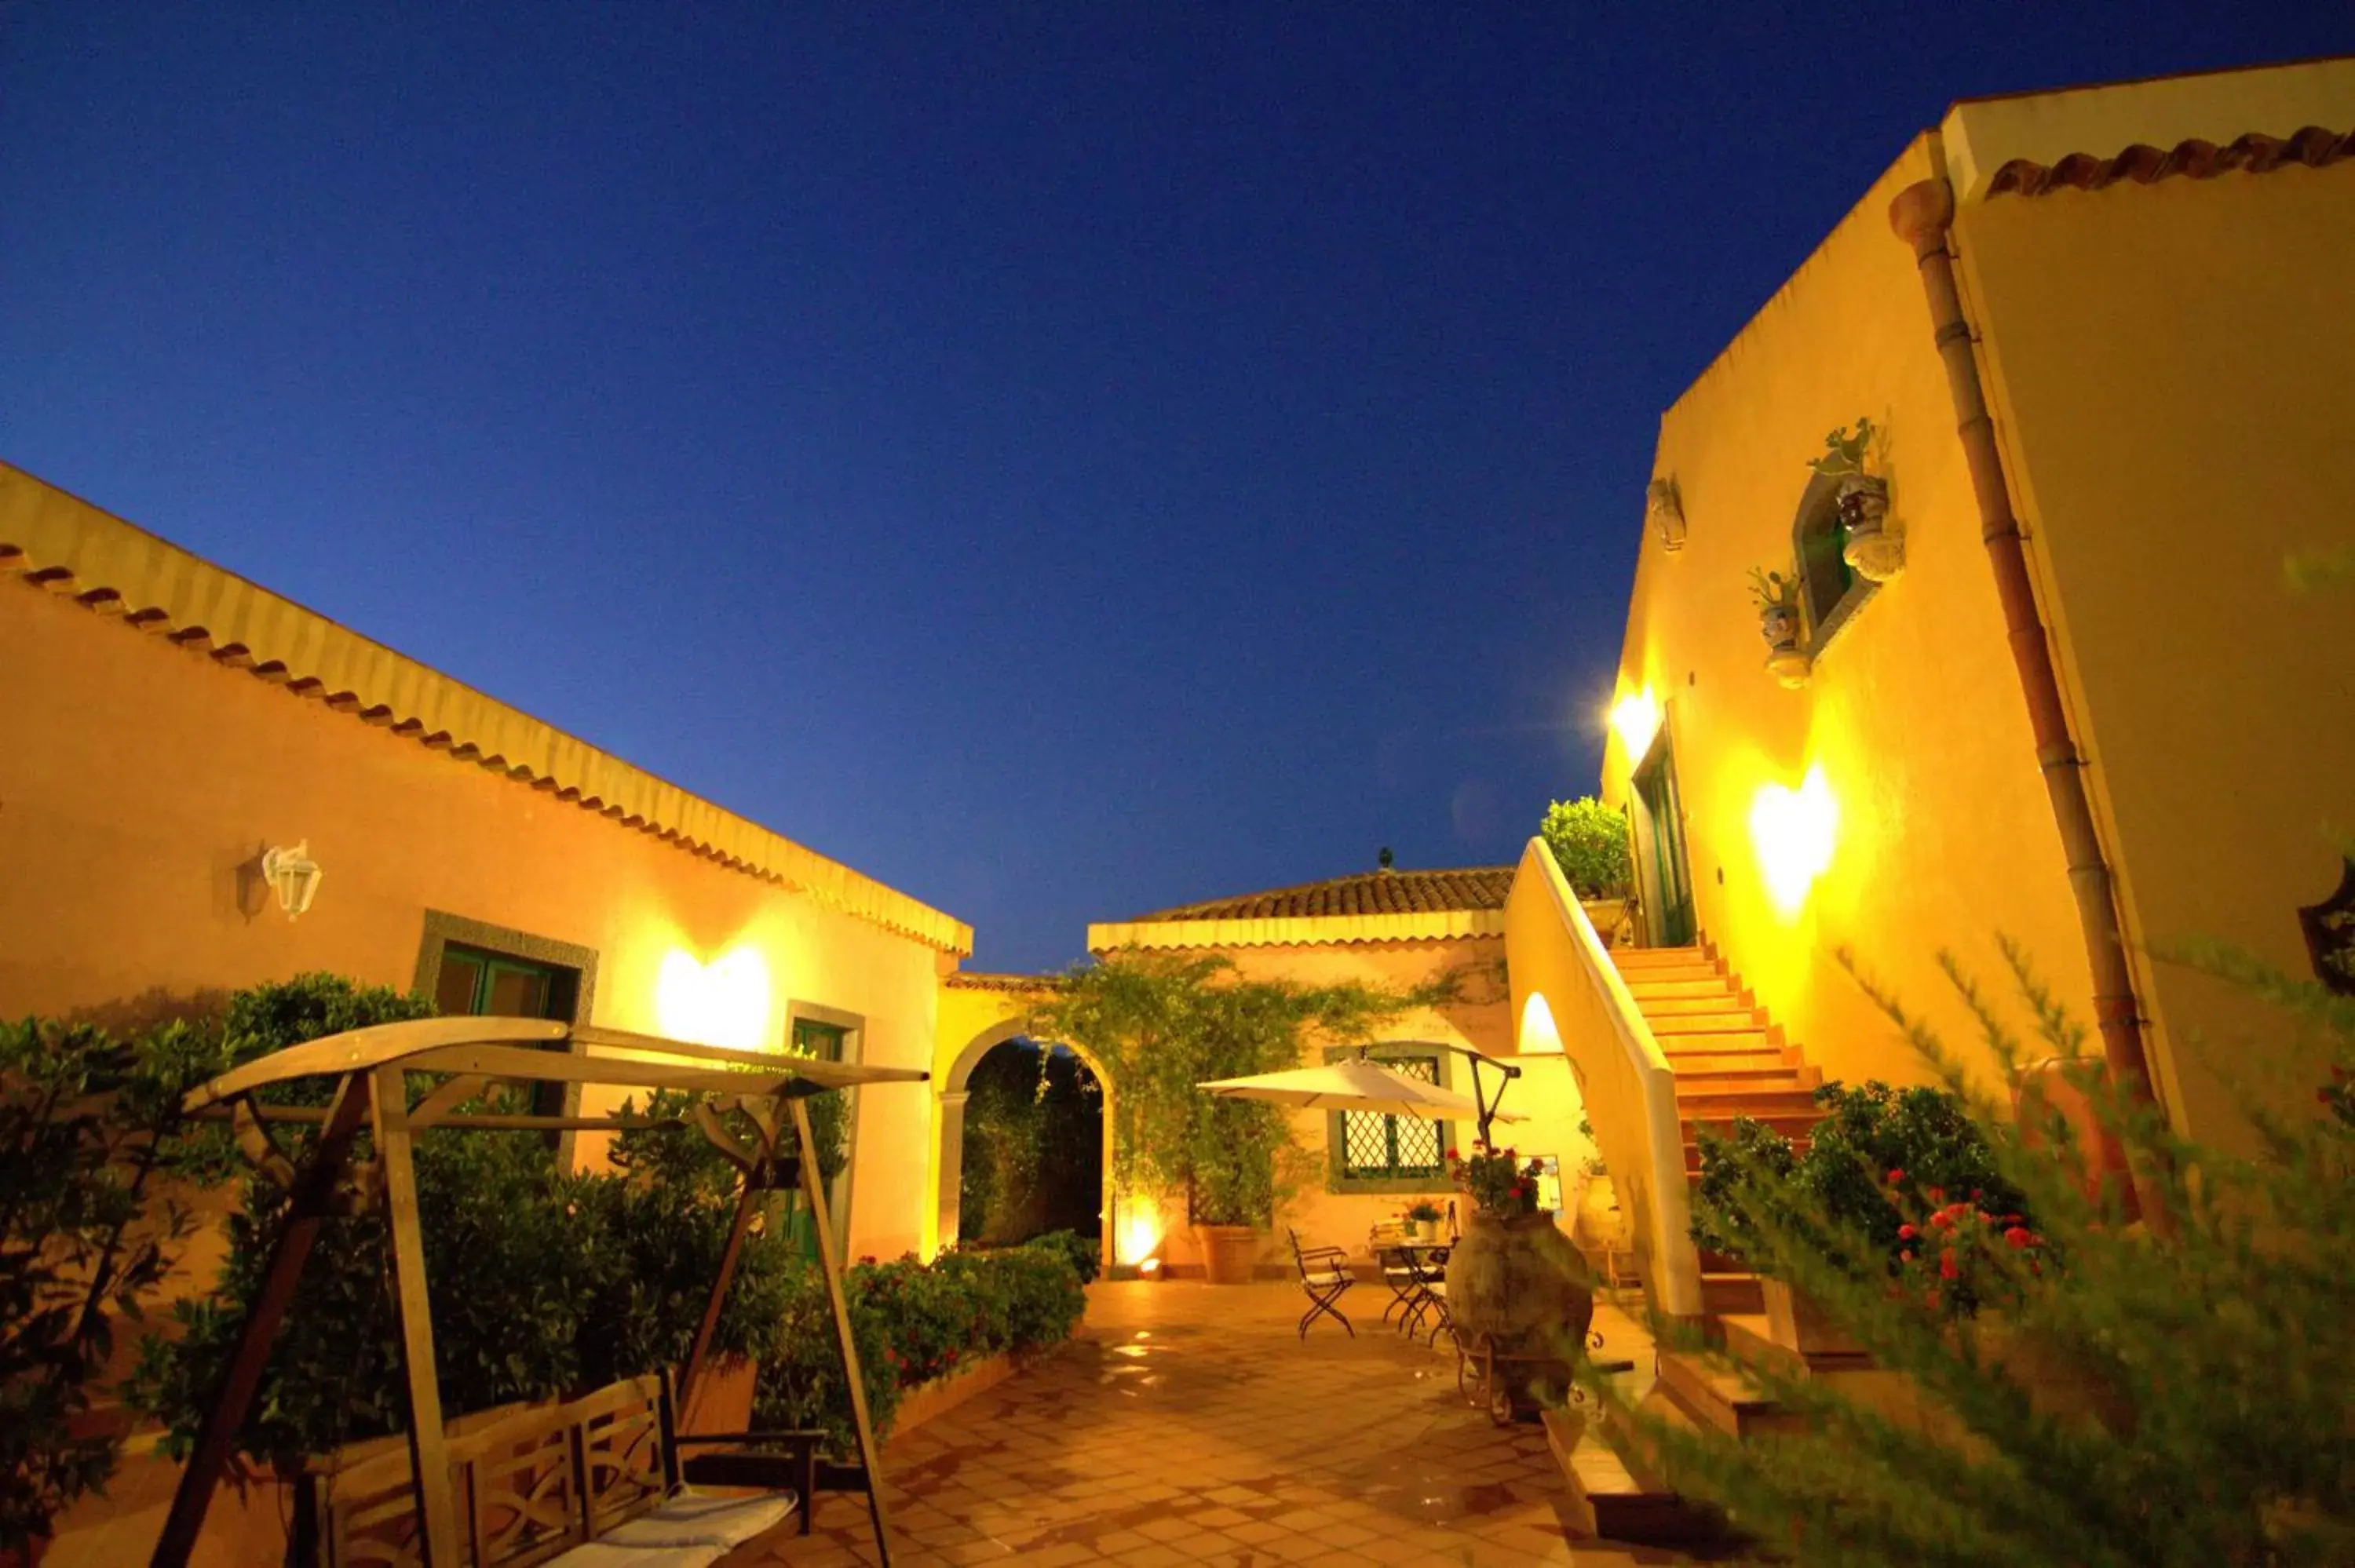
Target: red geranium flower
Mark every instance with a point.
(2021, 1237)
(1895, 1177)
(1948, 1268)
(1907, 1231)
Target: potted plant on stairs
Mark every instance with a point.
(1588, 841)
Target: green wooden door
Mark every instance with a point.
(1672, 911)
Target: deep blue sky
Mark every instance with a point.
(1063, 459)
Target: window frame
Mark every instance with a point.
(1338, 1179)
(1818, 517)
(853, 1026)
(445, 930)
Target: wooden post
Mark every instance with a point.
(749, 1196)
(830, 1265)
(309, 1201)
(428, 1454)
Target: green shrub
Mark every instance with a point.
(1084, 1253)
(90, 1134)
(1880, 1160)
(912, 1323)
(2166, 1393)
(1588, 841)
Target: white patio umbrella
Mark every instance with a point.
(1356, 1084)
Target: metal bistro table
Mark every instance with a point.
(1425, 1263)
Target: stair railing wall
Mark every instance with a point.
(1630, 1090)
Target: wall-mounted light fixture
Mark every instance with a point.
(1635, 719)
(293, 875)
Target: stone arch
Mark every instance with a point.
(952, 1093)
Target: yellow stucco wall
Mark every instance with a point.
(140, 781)
(2171, 367)
(1913, 711)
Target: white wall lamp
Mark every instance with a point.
(294, 875)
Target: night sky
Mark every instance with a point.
(1062, 460)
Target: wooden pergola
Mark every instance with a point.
(371, 1068)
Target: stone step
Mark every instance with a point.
(1647, 989)
(1607, 1501)
(1794, 1125)
(1755, 1043)
(1697, 1104)
(1650, 958)
(1724, 1021)
(1776, 1078)
(1724, 1397)
(1732, 1291)
(1719, 1003)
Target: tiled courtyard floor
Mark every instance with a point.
(1189, 1423)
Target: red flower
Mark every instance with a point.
(1948, 1268)
(1906, 1256)
(1452, 1155)
(1907, 1231)
(1937, 1194)
(2019, 1237)
(1942, 1220)
(1895, 1177)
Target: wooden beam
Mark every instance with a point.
(359, 1050)
(429, 1453)
(558, 1068)
(261, 1151)
(308, 1204)
(825, 1075)
(434, 1107)
(830, 1264)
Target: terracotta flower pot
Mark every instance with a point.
(1227, 1253)
(1518, 1286)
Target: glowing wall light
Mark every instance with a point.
(1138, 1235)
(1636, 718)
(1793, 831)
(723, 1003)
(1540, 1037)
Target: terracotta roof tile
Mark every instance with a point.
(1368, 893)
(980, 979)
(2312, 146)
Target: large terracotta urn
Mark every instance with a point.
(1229, 1253)
(1517, 1289)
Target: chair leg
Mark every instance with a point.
(1324, 1304)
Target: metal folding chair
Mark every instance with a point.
(1397, 1273)
(1430, 1271)
(1325, 1275)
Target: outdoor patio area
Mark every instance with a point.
(1187, 1423)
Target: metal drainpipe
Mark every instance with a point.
(1922, 215)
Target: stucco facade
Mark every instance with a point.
(144, 774)
(2163, 355)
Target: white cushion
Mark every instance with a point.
(688, 1531)
(1327, 1276)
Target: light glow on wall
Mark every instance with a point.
(1794, 832)
(1540, 1037)
(723, 1003)
(1635, 719)
(1138, 1234)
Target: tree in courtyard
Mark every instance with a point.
(1162, 1023)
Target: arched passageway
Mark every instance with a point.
(956, 1092)
(1033, 1146)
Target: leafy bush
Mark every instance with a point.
(2169, 1394)
(1163, 1024)
(541, 1281)
(1588, 841)
(89, 1132)
(912, 1323)
(1084, 1253)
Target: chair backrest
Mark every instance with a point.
(531, 1484)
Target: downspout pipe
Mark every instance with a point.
(1923, 215)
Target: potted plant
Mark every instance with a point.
(1424, 1216)
(1588, 841)
(1867, 543)
(1779, 623)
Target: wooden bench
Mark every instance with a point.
(595, 1482)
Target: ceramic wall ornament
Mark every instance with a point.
(1664, 508)
(2329, 929)
(1780, 624)
(1870, 546)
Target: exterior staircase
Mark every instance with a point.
(1730, 1060)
